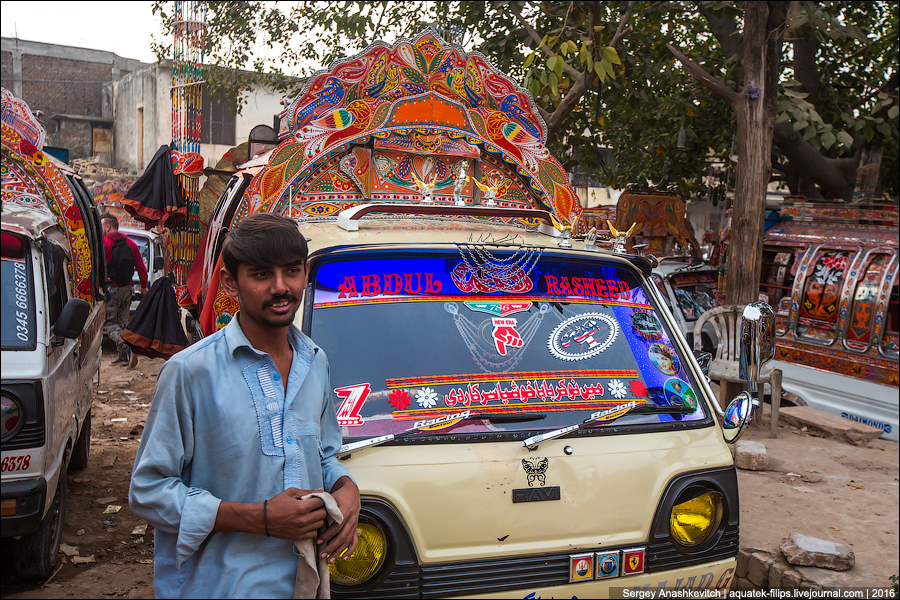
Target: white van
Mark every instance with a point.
(53, 311)
(152, 250)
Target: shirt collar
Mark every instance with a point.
(235, 338)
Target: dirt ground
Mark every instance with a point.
(816, 486)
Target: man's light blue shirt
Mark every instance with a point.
(220, 428)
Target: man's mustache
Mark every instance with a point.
(288, 297)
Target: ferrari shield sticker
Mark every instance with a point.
(499, 309)
(583, 336)
(633, 561)
(505, 335)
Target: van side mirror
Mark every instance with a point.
(757, 343)
(737, 415)
(71, 320)
(158, 263)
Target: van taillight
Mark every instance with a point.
(11, 246)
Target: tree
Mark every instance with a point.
(604, 75)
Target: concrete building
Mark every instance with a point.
(65, 84)
(98, 104)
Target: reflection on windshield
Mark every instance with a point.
(406, 343)
(18, 327)
(694, 300)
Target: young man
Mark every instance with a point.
(119, 271)
(242, 425)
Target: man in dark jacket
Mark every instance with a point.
(119, 273)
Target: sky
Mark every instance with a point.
(124, 28)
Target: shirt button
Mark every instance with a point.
(290, 440)
(277, 377)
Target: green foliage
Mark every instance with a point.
(637, 98)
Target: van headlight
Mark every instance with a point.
(365, 561)
(694, 520)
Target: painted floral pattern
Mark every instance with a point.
(426, 397)
(617, 388)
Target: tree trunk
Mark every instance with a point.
(755, 115)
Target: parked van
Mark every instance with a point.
(152, 250)
(689, 289)
(520, 411)
(53, 312)
(831, 272)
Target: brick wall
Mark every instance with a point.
(63, 85)
(6, 69)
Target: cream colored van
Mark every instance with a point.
(522, 415)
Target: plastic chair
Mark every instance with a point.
(726, 322)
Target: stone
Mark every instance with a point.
(790, 580)
(830, 425)
(775, 576)
(808, 551)
(742, 558)
(751, 456)
(758, 568)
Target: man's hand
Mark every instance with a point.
(285, 516)
(340, 540)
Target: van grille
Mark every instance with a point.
(30, 436)
(662, 556)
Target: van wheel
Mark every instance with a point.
(82, 450)
(37, 553)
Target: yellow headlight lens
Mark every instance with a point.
(365, 560)
(693, 521)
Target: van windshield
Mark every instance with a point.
(415, 337)
(18, 330)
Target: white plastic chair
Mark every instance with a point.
(726, 322)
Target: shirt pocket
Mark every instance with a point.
(310, 455)
(268, 407)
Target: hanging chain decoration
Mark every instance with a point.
(483, 351)
(189, 29)
(482, 271)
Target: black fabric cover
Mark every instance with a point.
(155, 330)
(156, 197)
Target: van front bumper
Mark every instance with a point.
(29, 496)
(707, 580)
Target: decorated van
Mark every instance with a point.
(53, 312)
(519, 409)
(830, 271)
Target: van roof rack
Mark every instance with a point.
(349, 219)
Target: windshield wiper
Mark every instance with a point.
(601, 416)
(438, 423)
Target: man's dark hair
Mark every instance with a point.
(264, 239)
(114, 221)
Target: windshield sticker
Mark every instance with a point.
(399, 399)
(434, 380)
(441, 422)
(646, 325)
(353, 398)
(586, 287)
(678, 392)
(531, 390)
(505, 334)
(491, 278)
(583, 336)
(389, 284)
(664, 358)
(426, 397)
(499, 309)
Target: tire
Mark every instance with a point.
(82, 450)
(38, 552)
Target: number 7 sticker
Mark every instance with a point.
(353, 398)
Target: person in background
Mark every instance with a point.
(242, 427)
(123, 258)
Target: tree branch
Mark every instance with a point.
(715, 85)
(572, 71)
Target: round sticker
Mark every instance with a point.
(582, 568)
(664, 358)
(679, 393)
(583, 336)
(646, 325)
(690, 400)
